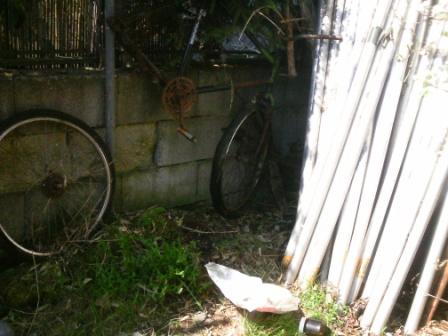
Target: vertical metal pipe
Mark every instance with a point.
(109, 70)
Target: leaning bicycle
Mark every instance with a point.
(240, 157)
(242, 152)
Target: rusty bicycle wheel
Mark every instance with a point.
(238, 162)
(56, 181)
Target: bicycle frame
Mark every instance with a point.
(118, 25)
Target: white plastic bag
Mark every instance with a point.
(250, 292)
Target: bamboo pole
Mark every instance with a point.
(403, 210)
(431, 198)
(416, 172)
(325, 168)
(408, 114)
(292, 72)
(364, 117)
(435, 250)
(329, 116)
(433, 99)
(326, 113)
(355, 266)
(346, 223)
(312, 135)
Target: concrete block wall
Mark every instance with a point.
(154, 164)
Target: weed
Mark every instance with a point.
(314, 303)
(137, 264)
(317, 304)
(272, 325)
(136, 272)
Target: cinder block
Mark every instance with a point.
(214, 103)
(134, 146)
(6, 98)
(204, 172)
(79, 95)
(173, 185)
(173, 148)
(138, 100)
(137, 190)
(117, 197)
(176, 185)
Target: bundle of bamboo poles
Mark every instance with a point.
(375, 172)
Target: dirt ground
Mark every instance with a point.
(252, 244)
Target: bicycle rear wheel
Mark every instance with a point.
(238, 162)
(56, 181)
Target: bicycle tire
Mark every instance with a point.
(56, 181)
(242, 145)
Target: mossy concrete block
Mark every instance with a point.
(169, 186)
(6, 98)
(138, 100)
(214, 103)
(79, 95)
(138, 190)
(173, 148)
(134, 146)
(117, 199)
(204, 173)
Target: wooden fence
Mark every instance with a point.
(69, 34)
(51, 34)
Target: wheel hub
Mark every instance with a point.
(54, 185)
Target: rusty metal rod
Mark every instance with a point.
(440, 290)
(236, 86)
(317, 37)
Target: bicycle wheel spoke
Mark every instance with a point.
(238, 163)
(60, 168)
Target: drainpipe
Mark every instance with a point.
(109, 70)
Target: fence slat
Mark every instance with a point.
(73, 30)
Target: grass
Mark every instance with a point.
(314, 303)
(145, 264)
(317, 304)
(272, 325)
(144, 273)
(133, 274)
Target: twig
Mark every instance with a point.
(292, 71)
(206, 232)
(256, 11)
(437, 298)
(196, 301)
(36, 276)
(91, 241)
(272, 22)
